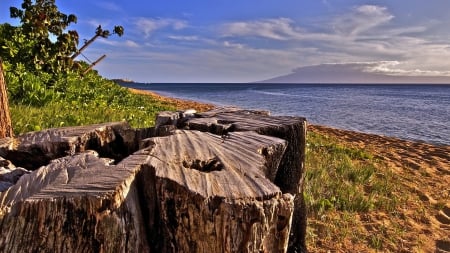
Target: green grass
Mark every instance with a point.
(343, 178)
(90, 100)
(342, 184)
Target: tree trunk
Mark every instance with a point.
(5, 119)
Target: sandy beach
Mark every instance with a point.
(421, 170)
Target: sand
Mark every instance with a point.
(180, 104)
(422, 171)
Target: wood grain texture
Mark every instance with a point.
(212, 193)
(77, 203)
(291, 172)
(34, 149)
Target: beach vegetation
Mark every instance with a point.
(88, 100)
(47, 87)
(345, 188)
(43, 42)
(343, 178)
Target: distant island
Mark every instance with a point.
(351, 73)
(123, 80)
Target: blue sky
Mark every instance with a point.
(251, 40)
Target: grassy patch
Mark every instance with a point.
(86, 101)
(342, 185)
(343, 178)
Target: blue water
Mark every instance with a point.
(414, 112)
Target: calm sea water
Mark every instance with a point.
(414, 112)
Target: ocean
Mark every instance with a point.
(412, 112)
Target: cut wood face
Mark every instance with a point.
(213, 194)
(290, 173)
(209, 165)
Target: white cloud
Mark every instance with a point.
(130, 43)
(149, 25)
(233, 45)
(118, 43)
(184, 38)
(277, 29)
(108, 6)
(362, 19)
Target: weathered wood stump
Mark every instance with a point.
(212, 195)
(77, 203)
(290, 174)
(225, 189)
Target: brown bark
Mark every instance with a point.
(5, 118)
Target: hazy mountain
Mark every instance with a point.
(350, 73)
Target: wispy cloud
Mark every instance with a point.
(361, 19)
(233, 45)
(184, 38)
(149, 25)
(277, 29)
(108, 6)
(130, 43)
(367, 37)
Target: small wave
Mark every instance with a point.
(271, 93)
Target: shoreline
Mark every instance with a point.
(180, 104)
(183, 104)
(410, 153)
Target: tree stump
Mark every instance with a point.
(6, 129)
(290, 175)
(77, 203)
(212, 195)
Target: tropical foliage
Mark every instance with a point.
(45, 87)
(38, 54)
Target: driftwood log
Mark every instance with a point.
(184, 191)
